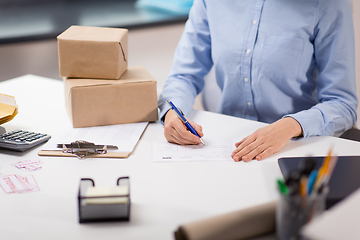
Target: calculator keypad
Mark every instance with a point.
(20, 140)
(22, 136)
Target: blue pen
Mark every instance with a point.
(183, 119)
(312, 178)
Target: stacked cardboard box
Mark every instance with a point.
(100, 89)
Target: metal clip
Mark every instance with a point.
(82, 149)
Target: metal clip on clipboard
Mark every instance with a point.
(82, 149)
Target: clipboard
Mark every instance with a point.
(60, 153)
(123, 137)
(83, 149)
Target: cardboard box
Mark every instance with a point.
(132, 98)
(93, 52)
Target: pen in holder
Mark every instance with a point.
(293, 211)
(103, 204)
(303, 196)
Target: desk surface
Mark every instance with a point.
(164, 195)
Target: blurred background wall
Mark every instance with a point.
(28, 30)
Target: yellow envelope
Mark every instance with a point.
(8, 108)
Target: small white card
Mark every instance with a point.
(29, 165)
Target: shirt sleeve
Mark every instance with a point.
(192, 61)
(334, 49)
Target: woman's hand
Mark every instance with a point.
(176, 132)
(267, 140)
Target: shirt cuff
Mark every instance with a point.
(162, 114)
(309, 122)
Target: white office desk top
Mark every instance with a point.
(163, 195)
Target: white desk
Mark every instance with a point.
(163, 195)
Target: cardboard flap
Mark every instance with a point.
(99, 34)
(123, 52)
(131, 75)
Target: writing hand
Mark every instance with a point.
(176, 132)
(267, 140)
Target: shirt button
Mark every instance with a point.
(254, 22)
(249, 104)
(248, 51)
(246, 79)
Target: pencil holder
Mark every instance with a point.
(292, 212)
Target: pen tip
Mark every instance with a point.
(202, 141)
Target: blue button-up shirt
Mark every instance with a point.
(272, 58)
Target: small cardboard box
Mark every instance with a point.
(93, 52)
(132, 98)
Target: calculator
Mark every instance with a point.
(20, 140)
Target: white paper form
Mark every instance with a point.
(214, 150)
(124, 136)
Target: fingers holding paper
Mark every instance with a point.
(267, 140)
(176, 132)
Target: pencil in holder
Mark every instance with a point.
(294, 211)
(104, 204)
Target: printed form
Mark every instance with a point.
(214, 150)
